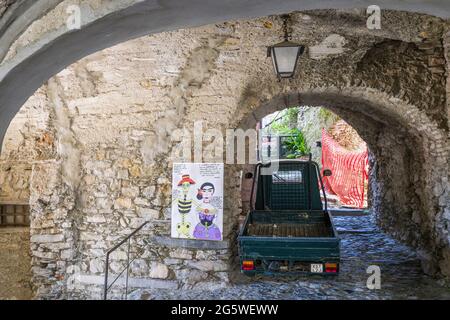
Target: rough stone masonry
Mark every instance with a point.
(97, 138)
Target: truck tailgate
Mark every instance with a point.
(302, 249)
(290, 241)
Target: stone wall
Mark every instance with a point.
(109, 147)
(446, 193)
(108, 181)
(15, 182)
(27, 141)
(15, 263)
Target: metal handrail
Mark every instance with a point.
(127, 268)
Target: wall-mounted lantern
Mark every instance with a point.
(285, 54)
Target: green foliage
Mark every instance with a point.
(292, 116)
(325, 114)
(287, 121)
(296, 144)
(286, 125)
(327, 117)
(279, 127)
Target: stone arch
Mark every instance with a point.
(409, 171)
(331, 77)
(56, 47)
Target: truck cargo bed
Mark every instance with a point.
(289, 230)
(288, 223)
(289, 239)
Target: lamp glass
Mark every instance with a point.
(284, 58)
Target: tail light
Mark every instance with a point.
(331, 267)
(248, 265)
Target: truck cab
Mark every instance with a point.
(288, 230)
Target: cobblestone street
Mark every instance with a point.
(362, 245)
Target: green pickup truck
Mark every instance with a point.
(288, 230)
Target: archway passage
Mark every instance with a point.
(358, 232)
(112, 114)
(397, 149)
(333, 144)
(55, 45)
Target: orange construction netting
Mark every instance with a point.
(349, 172)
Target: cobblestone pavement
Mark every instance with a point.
(362, 245)
(15, 263)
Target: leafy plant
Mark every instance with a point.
(291, 117)
(286, 120)
(296, 144)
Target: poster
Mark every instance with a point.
(197, 201)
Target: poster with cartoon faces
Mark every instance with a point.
(197, 201)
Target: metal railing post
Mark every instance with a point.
(105, 292)
(117, 246)
(128, 269)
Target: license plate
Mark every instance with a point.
(317, 268)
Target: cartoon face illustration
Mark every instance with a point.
(184, 228)
(185, 187)
(206, 192)
(185, 183)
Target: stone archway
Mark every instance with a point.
(408, 175)
(389, 85)
(51, 46)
